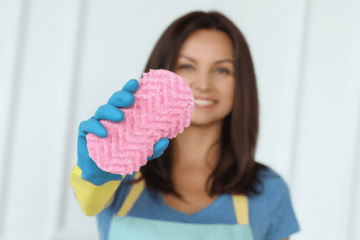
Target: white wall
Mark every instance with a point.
(61, 60)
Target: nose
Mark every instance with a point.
(202, 82)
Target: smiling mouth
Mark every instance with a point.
(205, 106)
(203, 102)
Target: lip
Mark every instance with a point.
(204, 98)
(205, 106)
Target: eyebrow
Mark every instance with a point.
(220, 61)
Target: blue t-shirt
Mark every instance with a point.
(271, 214)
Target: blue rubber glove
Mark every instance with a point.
(110, 111)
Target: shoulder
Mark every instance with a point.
(274, 187)
(272, 190)
(272, 210)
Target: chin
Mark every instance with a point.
(204, 121)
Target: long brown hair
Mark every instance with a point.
(236, 172)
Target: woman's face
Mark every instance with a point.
(206, 64)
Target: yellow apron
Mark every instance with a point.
(128, 227)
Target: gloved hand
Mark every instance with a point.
(121, 99)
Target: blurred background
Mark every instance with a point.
(61, 60)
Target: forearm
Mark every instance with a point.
(92, 199)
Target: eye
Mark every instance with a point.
(185, 66)
(223, 70)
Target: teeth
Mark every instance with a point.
(203, 102)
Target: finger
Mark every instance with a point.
(109, 112)
(159, 148)
(155, 155)
(161, 145)
(131, 86)
(122, 99)
(92, 126)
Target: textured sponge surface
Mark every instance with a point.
(162, 108)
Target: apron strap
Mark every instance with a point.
(241, 207)
(132, 197)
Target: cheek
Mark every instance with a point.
(186, 77)
(228, 96)
(227, 90)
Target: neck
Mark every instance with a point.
(195, 146)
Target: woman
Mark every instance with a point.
(205, 184)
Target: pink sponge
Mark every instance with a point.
(162, 108)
